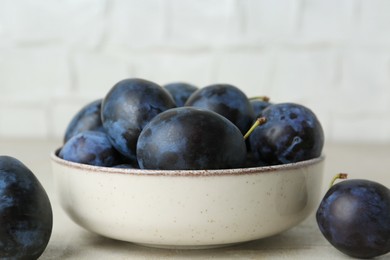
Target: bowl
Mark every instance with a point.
(187, 208)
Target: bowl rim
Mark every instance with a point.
(214, 172)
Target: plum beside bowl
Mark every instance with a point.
(188, 209)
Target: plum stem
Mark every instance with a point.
(259, 121)
(338, 176)
(261, 98)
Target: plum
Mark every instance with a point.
(26, 217)
(87, 119)
(90, 147)
(226, 100)
(188, 138)
(128, 107)
(292, 133)
(354, 216)
(180, 91)
(259, 104)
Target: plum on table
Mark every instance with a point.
(354, 216)
(26, 217)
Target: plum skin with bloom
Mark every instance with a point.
(292, 133)
(259, 105)
(87, 119)
(180, 91)
(90, 147)
(354, 216)
(190, 138)
(26, 217)
(128, 107)
(226, 100)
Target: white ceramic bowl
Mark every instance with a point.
(188, 209)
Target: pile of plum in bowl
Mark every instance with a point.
(179, 166)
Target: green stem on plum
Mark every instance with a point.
(259, 121)
(261, 98)
(338, 176)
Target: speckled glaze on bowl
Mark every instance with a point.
(188, 209)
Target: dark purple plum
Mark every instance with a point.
(259, 104)
(226, 100)
(188, 138)
(87, 119)
(26, 217)
(125, 166)
(180, 91)
(292, 133)
(124, 162)
(128, 107)
(354, 216)
(90, 147)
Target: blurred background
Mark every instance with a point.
(330, 55)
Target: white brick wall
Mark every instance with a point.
(95, 72)
(331, 55)
(270, 20)
(34, 73)
(135, 23)
(165, 67)
(327, 21)
(373, 25)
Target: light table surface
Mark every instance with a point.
(69, 241)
